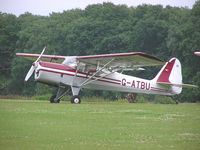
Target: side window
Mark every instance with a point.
(70, 61)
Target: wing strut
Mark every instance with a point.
(97, 78)
(89, 79)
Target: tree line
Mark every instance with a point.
(164, 32)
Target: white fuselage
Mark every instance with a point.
(55, 75)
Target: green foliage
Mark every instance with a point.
(8, 36)
(101, 28)
(164, 100)
(141, 99)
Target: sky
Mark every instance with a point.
(45, 7)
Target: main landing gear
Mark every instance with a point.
(62, 90)
(76, 100)
(53, 99)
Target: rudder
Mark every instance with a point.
(171, 75)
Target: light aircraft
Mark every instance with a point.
(104, 72)
(197, 53)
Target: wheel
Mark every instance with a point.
(52, 99)
(76, 100)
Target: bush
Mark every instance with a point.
(141, 99)
(164, 100)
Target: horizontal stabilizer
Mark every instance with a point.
(178, 85)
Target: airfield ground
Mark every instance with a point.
(27, 125)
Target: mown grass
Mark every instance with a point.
(26, 125)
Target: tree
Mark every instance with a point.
(101, 28)
(8, 36)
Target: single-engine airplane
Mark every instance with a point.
(104, 72)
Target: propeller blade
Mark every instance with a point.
(32, 69)
(41, 54)
(30, 72)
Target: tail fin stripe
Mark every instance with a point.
(164, 76)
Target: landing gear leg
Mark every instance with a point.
(60, 93)
(52, 99)
(75, 91)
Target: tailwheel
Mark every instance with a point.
(76, 100)
(53, 99)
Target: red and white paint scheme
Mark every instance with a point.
(104, 72)
(197, 53)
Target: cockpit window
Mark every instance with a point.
(70, 61)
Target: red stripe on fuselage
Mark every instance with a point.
(57, 66)
(46, 70)
(162, 90)
(63, 67)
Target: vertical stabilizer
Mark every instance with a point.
(171, 75)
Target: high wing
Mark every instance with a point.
(116, 61)
(107, 64)
(121, 61)
(33, 57)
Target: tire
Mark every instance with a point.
(52, 99)
(76, 100)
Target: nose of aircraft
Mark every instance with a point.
(34, 64)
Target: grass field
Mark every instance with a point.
(27, 125)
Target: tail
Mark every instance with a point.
(171, 75)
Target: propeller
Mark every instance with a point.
(32, 69)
